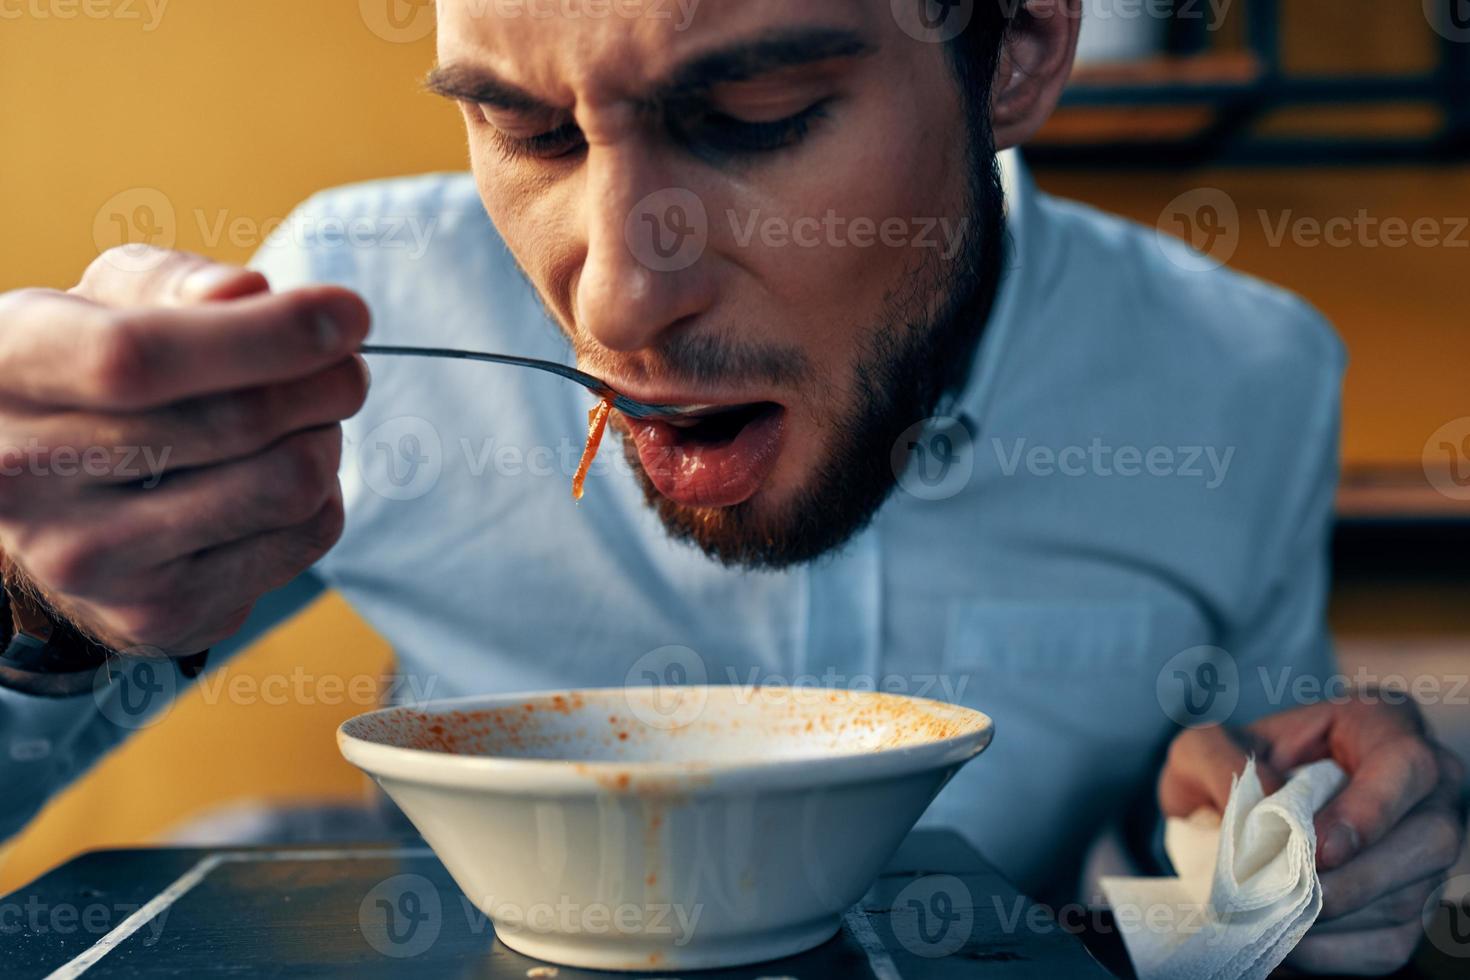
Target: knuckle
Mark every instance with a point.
(329, 442)
(68, 567)
(117, 364)
(305, 543)
(304, 475)
(1443, 840)
(152, 623)
(1420, 760)
(358, 382)
(131, 270)
(105, 265)
(326, 526)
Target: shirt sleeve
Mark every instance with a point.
(50, 742)
(1283, 647)
(46, 743)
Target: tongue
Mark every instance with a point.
(698, 473)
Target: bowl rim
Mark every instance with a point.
(565, 777)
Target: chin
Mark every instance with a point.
(806, 506)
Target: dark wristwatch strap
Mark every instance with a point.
(36, 642)
(33, 640)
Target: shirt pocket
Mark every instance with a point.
(1092, 637)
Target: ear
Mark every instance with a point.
(1035, 63)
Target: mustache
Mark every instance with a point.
(701, 359)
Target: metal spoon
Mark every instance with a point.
(628, 406)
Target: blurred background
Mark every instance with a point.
(1321, 144)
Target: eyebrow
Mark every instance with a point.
(739, 62)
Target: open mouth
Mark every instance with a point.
(718, 458)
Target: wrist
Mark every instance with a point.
(44, 654)
(41, 653)
(47, 685)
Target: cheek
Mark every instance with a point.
(533, 217)
(854, 225)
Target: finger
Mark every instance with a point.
(271, 560)
(1201, 769)
(1297, 736)
(138, 275)
(275, 489)
(1372, 953)
(68, 451)
(109, 544)
(1420, 848)
(206, 598)
(61, 350)
(1391, 769)
(1394, 908)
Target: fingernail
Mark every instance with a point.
(367, 372)
(328, 332)
(200, 283)
(1340, 844)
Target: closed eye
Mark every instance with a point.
(721, 133)
(550, 144)
(559, 142)
(704, 131)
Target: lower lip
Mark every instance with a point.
(697, 474)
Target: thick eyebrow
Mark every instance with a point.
(745, 60)
(739, 62)
(470, 83)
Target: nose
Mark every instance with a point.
(644, 271)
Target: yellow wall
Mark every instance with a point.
(1401, 310)
(241, 109)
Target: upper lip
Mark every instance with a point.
(709, 404)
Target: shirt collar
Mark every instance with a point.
(971, 401)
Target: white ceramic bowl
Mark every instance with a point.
(666, 828)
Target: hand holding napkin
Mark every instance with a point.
(1247, 889)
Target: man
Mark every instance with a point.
(1106, 459)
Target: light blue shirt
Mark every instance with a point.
(1142, 463)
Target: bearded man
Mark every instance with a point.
(969, 441)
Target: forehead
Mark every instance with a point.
(575, 50)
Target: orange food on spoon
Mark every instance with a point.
(596, 427)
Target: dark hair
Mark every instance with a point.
(975, 54)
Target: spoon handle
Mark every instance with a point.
(551, 367)
(628, 406)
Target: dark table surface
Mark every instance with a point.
(939, 912)
(1443, 955)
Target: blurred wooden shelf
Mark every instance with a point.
(1394, 493)
(1219, 68)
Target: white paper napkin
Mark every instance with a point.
(1247, 889)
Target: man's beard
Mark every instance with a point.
(921, 349)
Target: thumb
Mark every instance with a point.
(156, 277)
(1201, 770)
